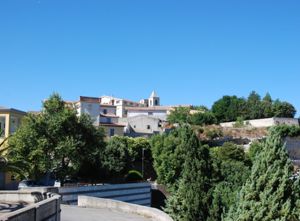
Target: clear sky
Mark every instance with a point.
(190, 52)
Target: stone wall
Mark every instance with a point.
(266, 122)
(136, 193)
(39, 206)
(293, 148)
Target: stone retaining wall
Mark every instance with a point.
(266, 122)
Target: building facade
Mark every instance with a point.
(10, 121)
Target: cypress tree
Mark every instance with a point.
(270, 193)
(190, 201)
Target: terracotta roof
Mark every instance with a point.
(90, 99)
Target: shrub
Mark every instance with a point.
(134, 176)
(239, 122)
(213, 133)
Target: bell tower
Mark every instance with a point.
(154, 100)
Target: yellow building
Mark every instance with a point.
(10, 120)
(113, 129)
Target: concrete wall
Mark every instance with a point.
(42, 207)
(111, 110)
(293, 147)
(145, 124)
(92, 109)
(136, 193)
(267, 122)
(161, 114)
(92, 202)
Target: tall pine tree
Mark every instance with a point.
(190, 201)
(270, 193)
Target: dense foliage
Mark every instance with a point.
(230, 108)
(195, 116)
(123, 154)
(168, 152)
(231, 170)
(270, 193)
(190, 201)
(233, 108)
(56, 141)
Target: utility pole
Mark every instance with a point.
(143, 157)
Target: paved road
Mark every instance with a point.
(74, 213)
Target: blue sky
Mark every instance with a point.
(190, 52)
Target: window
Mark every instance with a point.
(111, 132)
(150, 113)
(2, 126)
(104, 111)
(156, 102)
(148, 127)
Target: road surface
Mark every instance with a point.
(74, 213)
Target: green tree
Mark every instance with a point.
(168, 151)
(254, 106)
(123, 154)
(267, 103)
(231, 170)
(283, 109)
(179, 115)
(270, 193)
(56, 141)
(190, 201)
(6, 165)
(228, 108)
(116, 155)
(205, 118)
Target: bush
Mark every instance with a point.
(214, 133)
(239, 122)
(134, 176)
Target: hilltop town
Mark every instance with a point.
(114, 140)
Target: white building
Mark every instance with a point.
(159, 112)
(143, 125)
(106, 111)
(103, 115)
(89, 106)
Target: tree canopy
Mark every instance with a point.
(230, 108)
(270, 193)
(190, 201)
(56, 141)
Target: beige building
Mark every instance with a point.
(10, 120)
